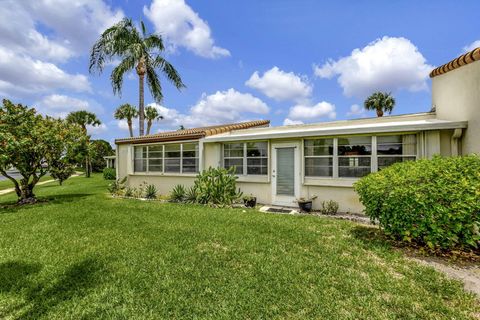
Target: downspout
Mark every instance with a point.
(455, 142)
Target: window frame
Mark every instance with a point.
(245, 157)
(163, 172)
(373, 156)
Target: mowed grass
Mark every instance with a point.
(7, 184)
(84, 255)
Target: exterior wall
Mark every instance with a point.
(164, 184)
(456, 96)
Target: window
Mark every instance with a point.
(392, 149)
(351, 157)
(248, 158)
(354, 156)
(168, 158)
(319, 158)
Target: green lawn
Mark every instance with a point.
(84, 255)
(7, 184)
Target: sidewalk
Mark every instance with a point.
(5, 191)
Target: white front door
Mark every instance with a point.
(285, 173)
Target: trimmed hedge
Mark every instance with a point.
(434, 203)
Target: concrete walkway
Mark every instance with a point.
(5, 191)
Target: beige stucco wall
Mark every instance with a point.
(456, 96)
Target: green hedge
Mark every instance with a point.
(434, 202)
(109, 174)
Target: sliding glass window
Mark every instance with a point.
(393, 149)
(168, 158)
(318, 158)
(250, 158)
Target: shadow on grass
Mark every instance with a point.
(371, 237)
(40, 298)
(12, 206)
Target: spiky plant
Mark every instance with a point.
(380, 102)
(127, 112)
(137, 50)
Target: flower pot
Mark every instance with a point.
(305, 206)
(250, 203)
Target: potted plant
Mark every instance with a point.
(250, 201)
(305, 204)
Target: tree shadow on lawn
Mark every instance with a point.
(40, 298)
(12, 206)
(371, 237)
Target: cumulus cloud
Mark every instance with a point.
(471, 46)
(280, 85)
(217, 108)
(59, 106)
(312, 112)
(357, 111)
(123, 125)
(21, 74)
(386, 64)
(183, 27)
(290, 122)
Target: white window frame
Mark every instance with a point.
(305, 157)
(245, 157)
(163, 172)
(396, 155)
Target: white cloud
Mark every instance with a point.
(290, 122)
(22, 74)
(220, 107)
(472, 46)
(182, 27)
(122, 124)
(59, 106)
(280, 85)
(387, 64)
(97, 130)
(312, 112)
(356, 110)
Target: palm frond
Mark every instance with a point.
(119, 71)
(154, 83)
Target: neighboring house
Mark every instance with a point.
(280, 164)
(110, 161)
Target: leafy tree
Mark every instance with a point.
(137, 50)
(83, 118)
(127, 112)
(62, 170)
(99, 149)
(151, 114)
(380, 102)
(34, 145)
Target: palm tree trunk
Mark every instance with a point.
(149, 126)
(130, 127)
(141, 107)
(379, 113)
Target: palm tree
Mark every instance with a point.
(380, 102)
(84, 118)
(126, 112)
(137, 50)
(151, 114)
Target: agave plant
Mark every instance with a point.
(178, 193)
(151, 192)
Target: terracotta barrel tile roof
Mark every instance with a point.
(464, 59)
(194, 133)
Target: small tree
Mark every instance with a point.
(83, 118)
(34, 145)
(380, 102)
(62, 170)
(100, 149)
(127, 112)
(151, 114)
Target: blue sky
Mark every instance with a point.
(288, 61)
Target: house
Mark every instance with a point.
(280, 164)
(110, 161)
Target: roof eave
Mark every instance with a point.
(340, 131)
(160, 139)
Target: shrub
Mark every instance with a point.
(430, 202)
(109, 174)
(117, 187)
(129, 192)
(151, 192)
(178, 193)
(329, 207)
(217, 187)
(191, 195)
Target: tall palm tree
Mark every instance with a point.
(127, 112)
(84, 118)
(151, 114)
(380, 102)
(137, 50)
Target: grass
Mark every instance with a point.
(7, 184)
(84, 255)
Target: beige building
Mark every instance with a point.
(281, 164)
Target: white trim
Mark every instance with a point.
(341, 130)
(279, 199)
